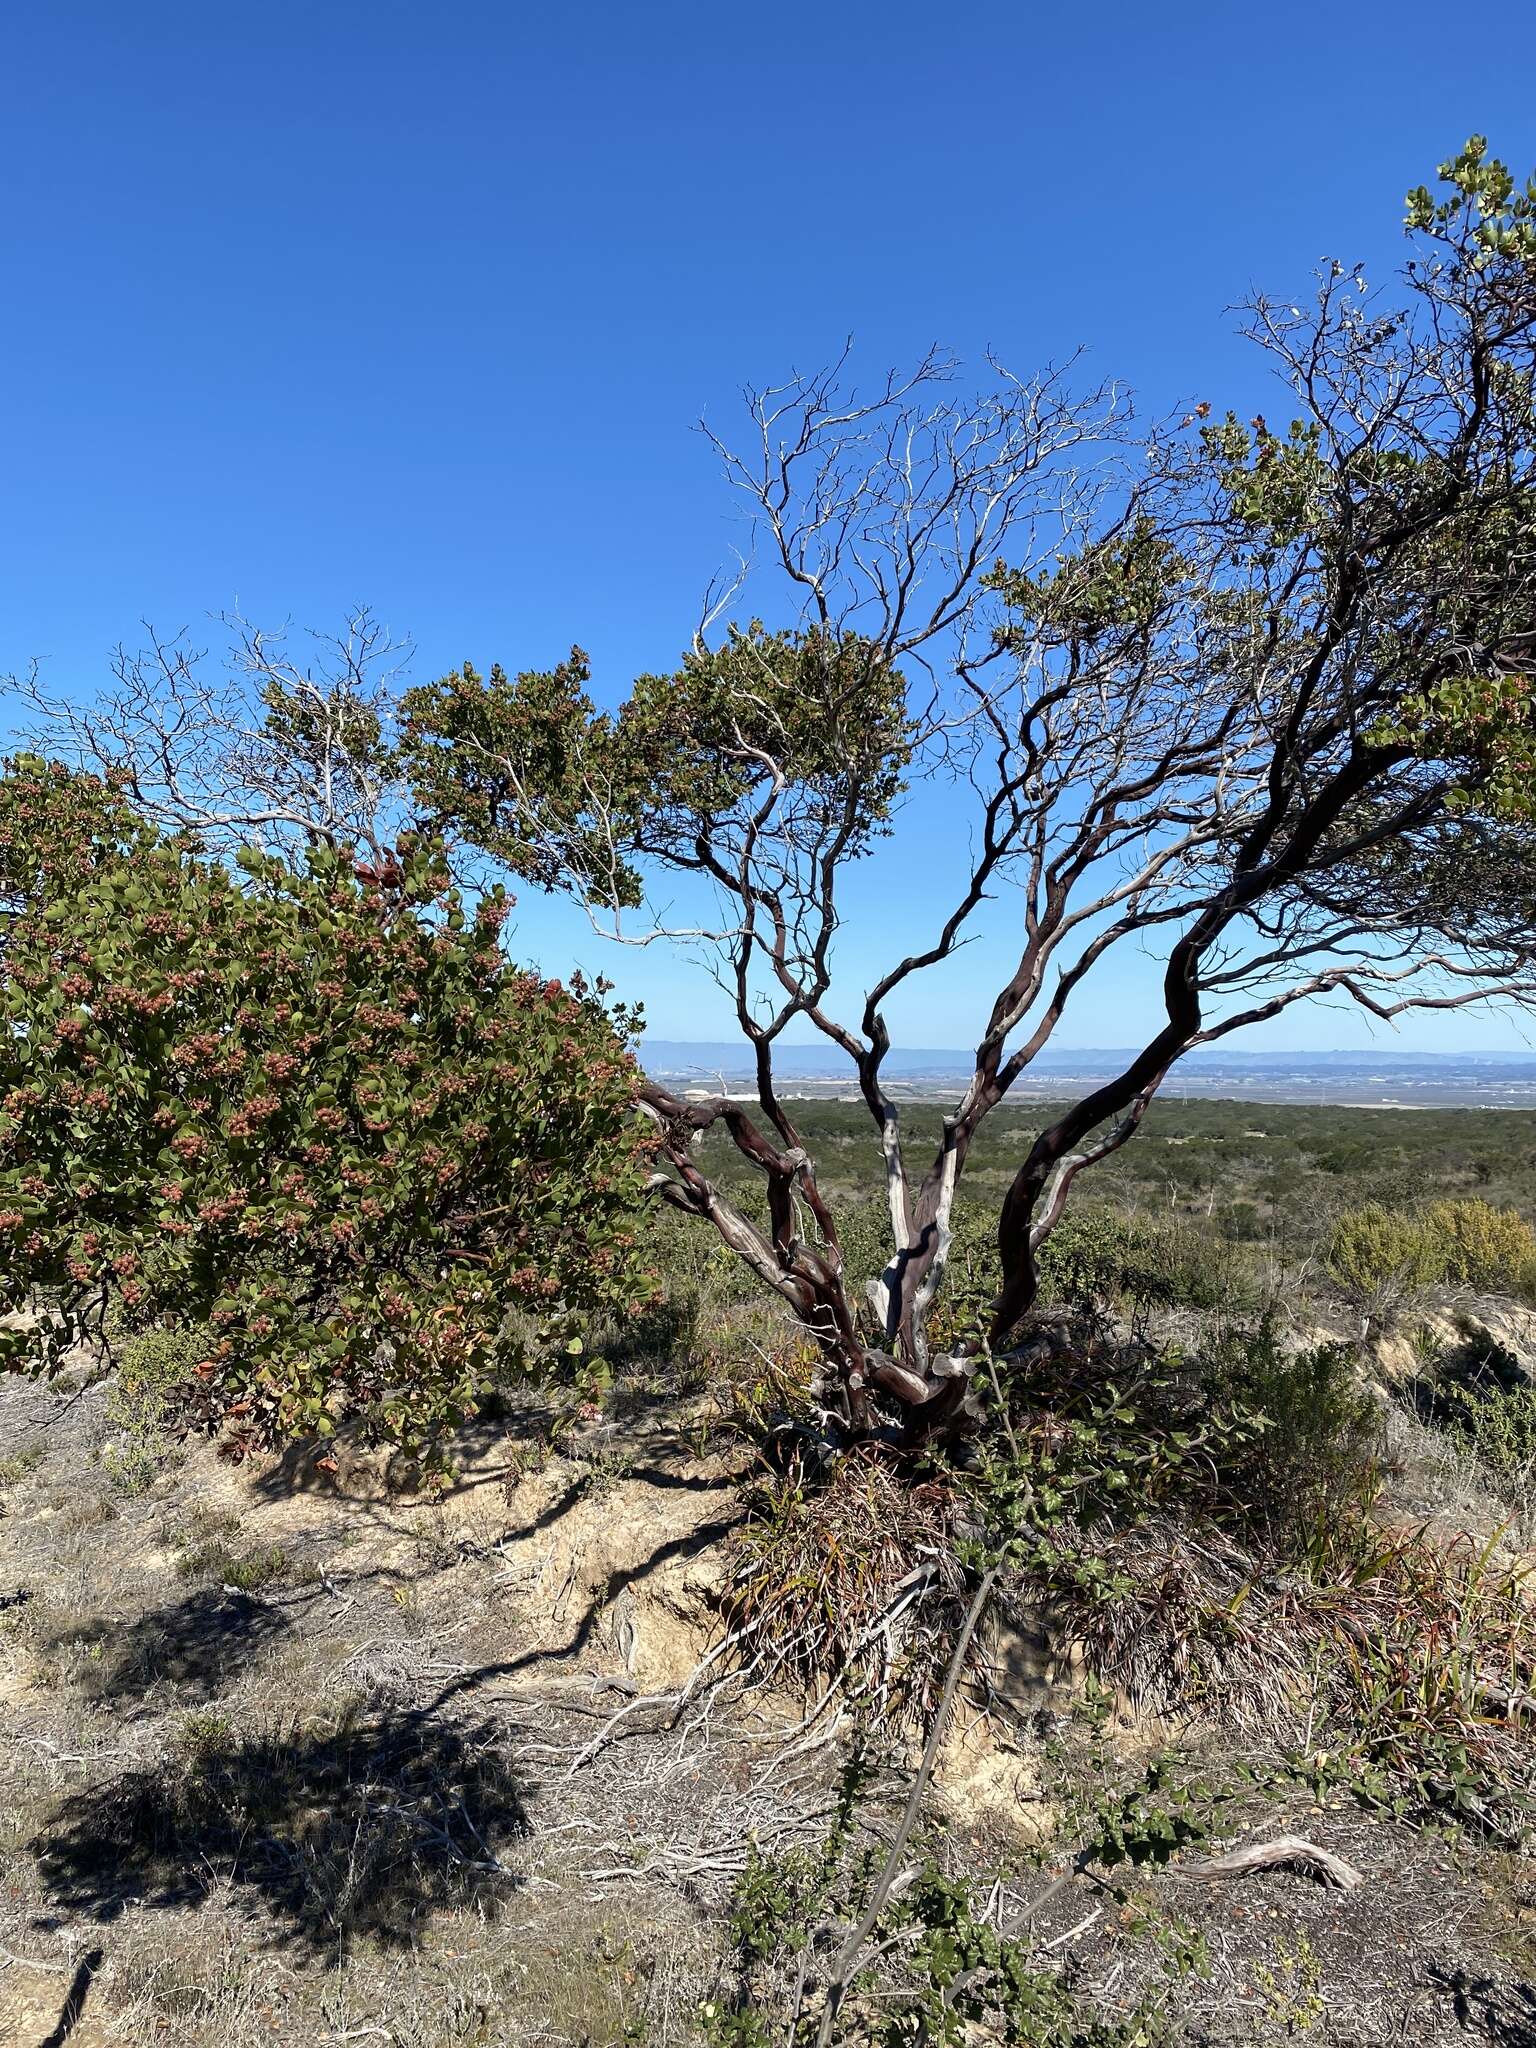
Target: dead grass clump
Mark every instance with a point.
(1185, 1625)
(854, 1581)
(82, 1508)
(1409, 1662)
(204, 1524)
(63, 1640)
(21, 1462)
(1507, 1921)
(192, 1987)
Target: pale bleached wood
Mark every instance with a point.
(1284, 1849)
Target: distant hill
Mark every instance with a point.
(1386, 1075)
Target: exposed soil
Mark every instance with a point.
(294, 1757)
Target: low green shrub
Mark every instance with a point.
(1478, 1245)
(1375, 1250)
(248, 1574)
(1098, 1257)
(1094, 1439)
(1320, 1455)
(1241, 1222)
(148, 1403)
(1500, 1424)
(1101, 1255)
(210, 1555)
(933, 1968)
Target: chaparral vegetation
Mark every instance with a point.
(509, 1548)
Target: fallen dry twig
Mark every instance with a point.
(1284, 1849)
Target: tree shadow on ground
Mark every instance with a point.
(74, 2000)
(196, 1646)
(1505, 2014)
(1475, 1368)
(361, 1831)
(689, 1544)
(514, 1419)
(349, 1470)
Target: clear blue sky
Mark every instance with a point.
(318, 304)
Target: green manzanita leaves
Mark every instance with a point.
(529, 771)
(318, 1115)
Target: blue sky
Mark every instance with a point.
(312, 305)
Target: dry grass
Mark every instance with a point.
(1408, 1660)
(331, 1802)
(854, 1583)
(348, 1803)
(585, 1976)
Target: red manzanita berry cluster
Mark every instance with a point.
(316, 1112)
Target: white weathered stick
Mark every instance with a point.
(1267, 1855)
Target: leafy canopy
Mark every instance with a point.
(316, 1111)
(811, 726)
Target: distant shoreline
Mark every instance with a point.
(1376, 1079)
(1512, 1098)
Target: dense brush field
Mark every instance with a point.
(1273, 1164)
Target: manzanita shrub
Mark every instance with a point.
(316, 1111)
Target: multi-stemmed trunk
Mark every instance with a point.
(879, 1376)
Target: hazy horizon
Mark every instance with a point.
(1233, 1054)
